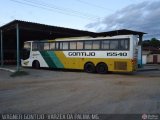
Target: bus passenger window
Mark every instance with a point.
(105, 44)
(57, 46)
(40, 46)
(46, 46)
(96, 45)
(34, 46)
(52, 46)
(65, 46)
(72, 45)
(79, 45)
(61, 45)
(124, 45)
(114, 44)
(88, 45)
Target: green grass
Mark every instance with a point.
(19, 73)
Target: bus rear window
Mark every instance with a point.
(124, 44)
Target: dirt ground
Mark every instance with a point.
(49, 91)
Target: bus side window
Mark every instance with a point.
(60, 45)
(114, 44)
(46, 46)
(124, 44)
(79, 45)
(96, 45)
(88, 45)
(73, 45)
(34, 46)
(105, 44)
(57, 46)
(40, 46)
(52, 46)
(65, 45)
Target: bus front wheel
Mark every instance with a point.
(102, 68)
(36, 65)
(89, 67)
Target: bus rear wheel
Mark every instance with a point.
(36, 65)
(89, 68)
(102, 68)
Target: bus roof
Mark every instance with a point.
(84, 38)
(93, 38)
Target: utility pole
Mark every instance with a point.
(18, 58)
(1, 48)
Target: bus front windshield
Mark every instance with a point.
(26, 50)
(27, 46)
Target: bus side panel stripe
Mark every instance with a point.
(48, 59)
(55, 59)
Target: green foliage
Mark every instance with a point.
(151, 43)
(155, 43)
(146, 43)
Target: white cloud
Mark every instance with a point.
(144, 16)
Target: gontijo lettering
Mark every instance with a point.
(81, 53)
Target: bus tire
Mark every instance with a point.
(89, 67)
(101, 68)
(36, 64)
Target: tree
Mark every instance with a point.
(155, 43)
(146, 43)
(151, 43)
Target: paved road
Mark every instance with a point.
(47, 91)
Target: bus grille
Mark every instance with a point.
(120, 65)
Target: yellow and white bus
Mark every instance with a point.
(100, 54)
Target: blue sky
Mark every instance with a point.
(90, 15)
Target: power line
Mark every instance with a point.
(58, 9)
(94, 5)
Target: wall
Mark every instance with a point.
(144, 59)
(150, 58)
